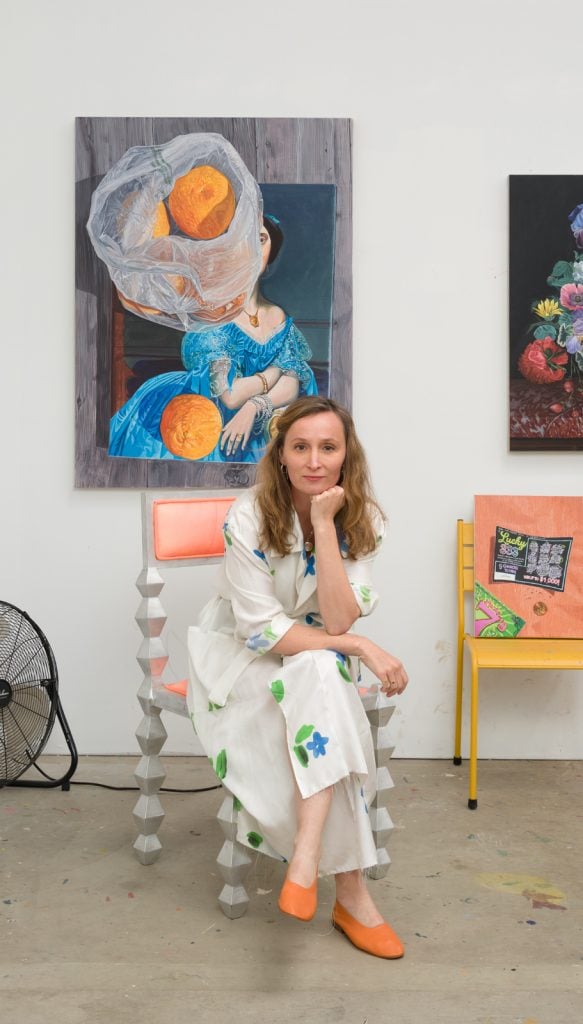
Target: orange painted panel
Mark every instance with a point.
(528, 566)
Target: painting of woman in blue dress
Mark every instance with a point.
(249, 368)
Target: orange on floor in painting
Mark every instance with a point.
(202, 202)
(190, 426)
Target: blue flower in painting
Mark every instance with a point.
(256, 641)
(573, 344)
(576, 219)
(343, 546)
(318, 744)
(260, 554)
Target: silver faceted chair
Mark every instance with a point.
(182, 531)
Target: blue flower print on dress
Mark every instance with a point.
(261, 640)
(364, 799)
(343, 666)
(228, 538)
(263, 557)
(313, 620)
(310, 561)
(318, 744)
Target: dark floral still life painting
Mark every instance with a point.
(546, 312)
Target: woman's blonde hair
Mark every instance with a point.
(356, 518)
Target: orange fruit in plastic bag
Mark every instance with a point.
(213, 313)
(161, 224)
(190, 426)
(202, 202)
(136, 307)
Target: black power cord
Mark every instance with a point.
(128, 789)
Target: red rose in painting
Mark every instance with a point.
(543, 361)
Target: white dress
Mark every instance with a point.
(264, 719)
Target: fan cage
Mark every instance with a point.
(28, 692)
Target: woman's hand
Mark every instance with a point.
(238, 429)
(324, 506)
(389, 671)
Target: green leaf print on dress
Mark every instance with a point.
(302, 755)
(304, 733)
(343, 671)
(277, 689)
(254, 839)
(221, 764)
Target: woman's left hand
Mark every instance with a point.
(324, 506)
(237, 431)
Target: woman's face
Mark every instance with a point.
(313, 452)
(265, 247)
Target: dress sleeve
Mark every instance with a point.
(260, 617)
(359, 573)
(293, 356)
(200, 348)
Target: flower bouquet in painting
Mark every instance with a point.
(546, 398)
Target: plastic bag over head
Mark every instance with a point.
(186, 255)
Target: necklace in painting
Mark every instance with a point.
(253, 317)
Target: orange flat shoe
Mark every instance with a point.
(378, 941)
(299, 901)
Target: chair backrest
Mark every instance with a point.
(465, 567)
(179, 529)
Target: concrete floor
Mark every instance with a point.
(488, 903)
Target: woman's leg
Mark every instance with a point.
(352, 893)
(311, 814)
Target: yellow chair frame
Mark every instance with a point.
(495, 653)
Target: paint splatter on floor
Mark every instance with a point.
(542, 893)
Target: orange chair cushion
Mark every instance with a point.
(189, 528)
(181, 687)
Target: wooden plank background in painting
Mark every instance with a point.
(276, 151)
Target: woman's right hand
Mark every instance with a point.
(389, 671)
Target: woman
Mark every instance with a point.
(274, 666)
(256, 363)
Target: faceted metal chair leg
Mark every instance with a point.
(233, 861)
(151, 734)
(379, 711)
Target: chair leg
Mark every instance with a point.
(379, 711)
(457, 753)
(473, 797)
(151, 734)
(233, 861)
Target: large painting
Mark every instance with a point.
(213, 288)
(546, 312)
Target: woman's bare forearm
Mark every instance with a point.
(336, 602)
(311, 638)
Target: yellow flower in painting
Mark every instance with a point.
(547, 308)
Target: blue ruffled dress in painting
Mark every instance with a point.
(212, 360)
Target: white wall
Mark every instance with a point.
(447, 99)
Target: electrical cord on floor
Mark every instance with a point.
(128, 789)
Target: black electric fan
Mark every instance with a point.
(29, 700)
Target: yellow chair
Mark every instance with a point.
(498, 653)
